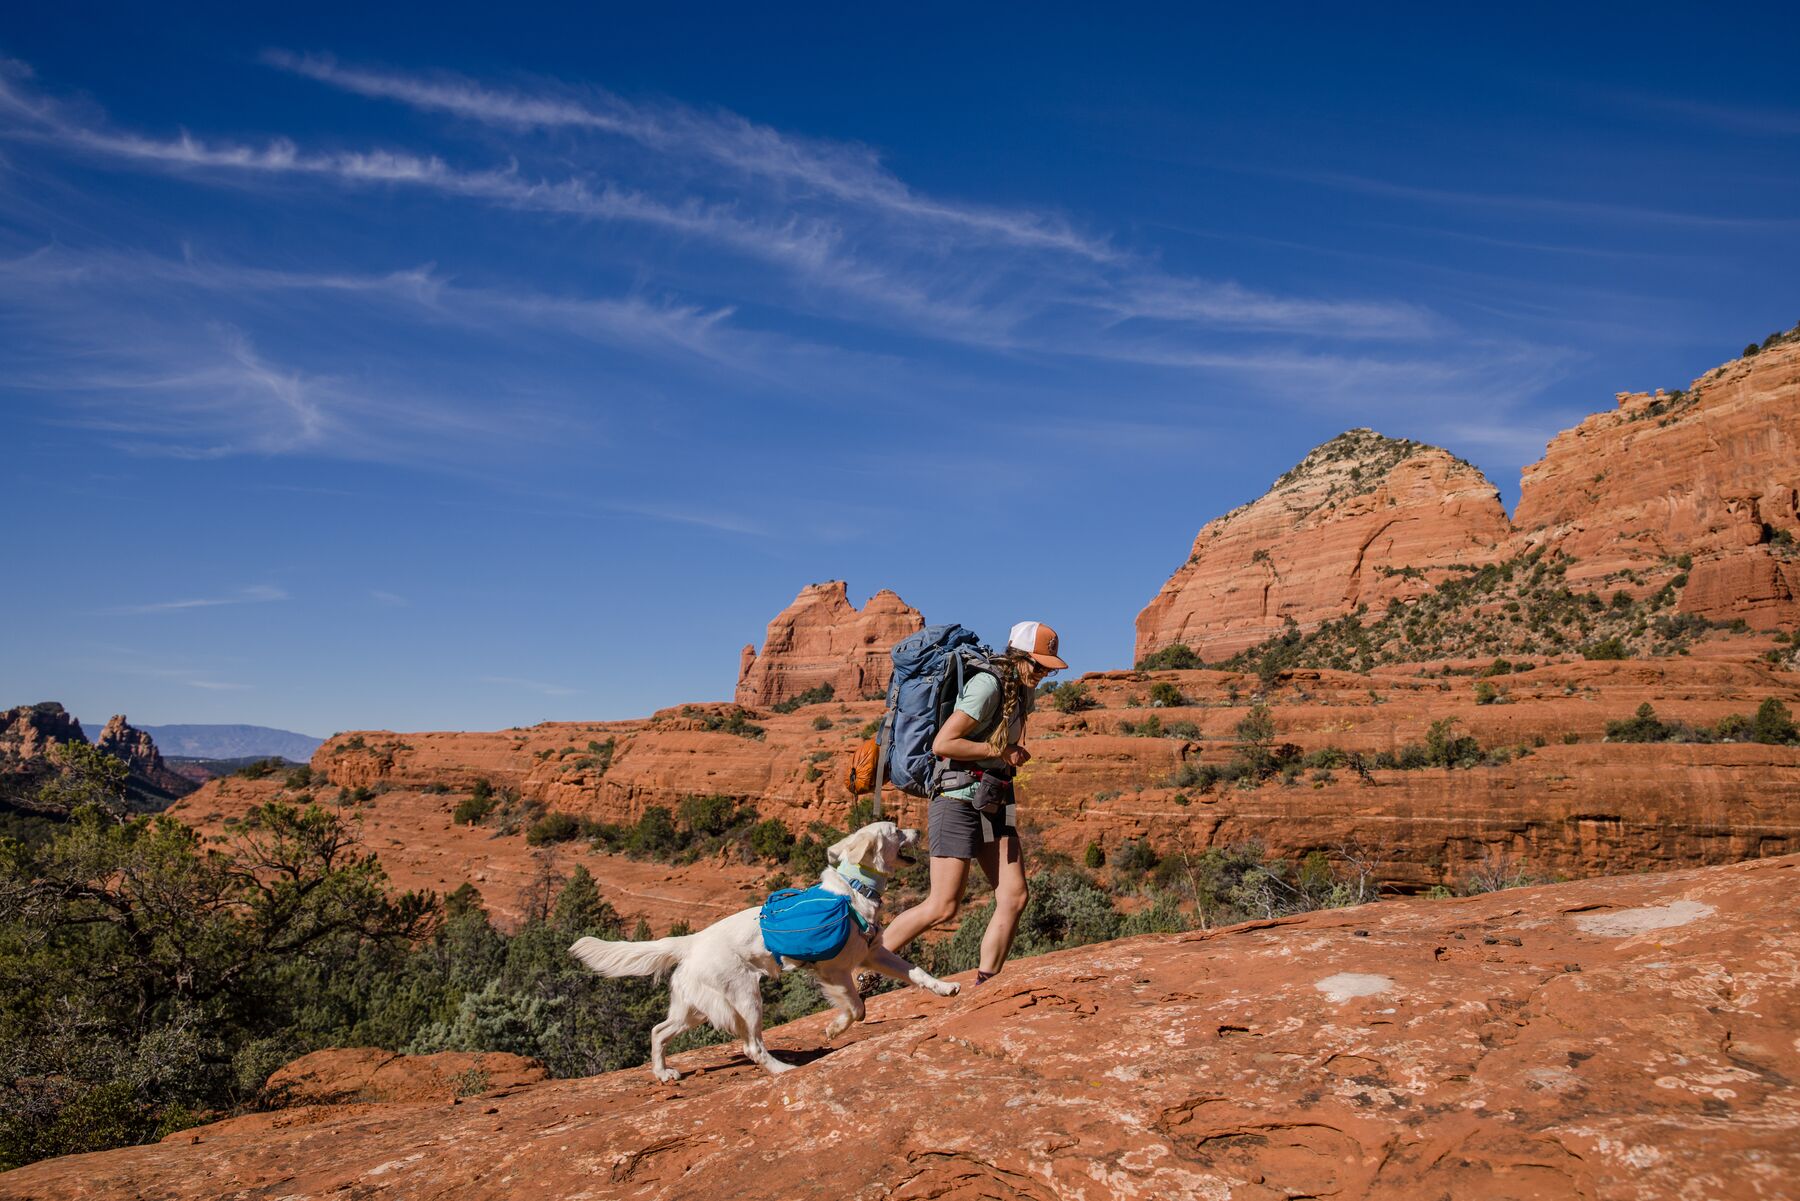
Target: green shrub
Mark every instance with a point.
(1642, 727)
(812, 696)
(707, 816)
(1072, 697)
(1485, 693)
(1606, 648)
(552, 827)
(300, 777)
(1443, 748)
(472, 809)
(654, 836)
(821, 723)
(1135, 856)
(1571, 738)
(1171, 658)
(1773, 723)
(771, 839)
(1094, 858)
(1164, 695)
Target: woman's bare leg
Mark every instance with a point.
(1004, 865)
(948, 876)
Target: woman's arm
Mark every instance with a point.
(951, 743)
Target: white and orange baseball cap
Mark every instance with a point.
(1037, 640)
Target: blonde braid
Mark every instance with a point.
(1006, 669)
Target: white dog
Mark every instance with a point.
(718, 971)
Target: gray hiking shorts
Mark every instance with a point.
(956, 831)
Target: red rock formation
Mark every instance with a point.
(822, 639)
(1699, 490)
(28, 734)
(137, 750)
(1710, 472)
(1626, 1039)
(337, 1077)
(1331, 534)
(1578, 809)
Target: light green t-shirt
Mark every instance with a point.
(980, 699)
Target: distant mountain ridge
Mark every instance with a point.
(230, 741)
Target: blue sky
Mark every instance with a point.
(402, 366)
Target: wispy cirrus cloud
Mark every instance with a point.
(1549, 206)
(828, 213)
(255, 594)
(849, 173)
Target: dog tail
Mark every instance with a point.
(629, 958)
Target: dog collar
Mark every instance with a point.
(859, 883)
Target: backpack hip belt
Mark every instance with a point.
(956, 775)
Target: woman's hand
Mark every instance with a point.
(1016, 755)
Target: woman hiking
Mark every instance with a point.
(971, 815)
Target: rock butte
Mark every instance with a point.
(1514, 1054)
(30, 733)
(1710, 472)
(823, 639)
(1331, 534)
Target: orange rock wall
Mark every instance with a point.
(1324, 542)
(1569, 810)
(823, 639)
(1712, 474)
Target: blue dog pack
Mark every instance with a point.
(806, 925)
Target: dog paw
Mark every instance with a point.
(945, 989)
(837, 1027)
(666, 1075)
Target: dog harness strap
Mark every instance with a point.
(858, 883)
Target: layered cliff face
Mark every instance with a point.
(1710, 472)
(28, 735)
(823, 639)
(1363, 519)
(1622, 1038)
(1697, 491)
(137, 750)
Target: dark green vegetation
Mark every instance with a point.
(1171, 658)
(1154, 727)
(141, 974)
(1772, 724)
(82, 777)
(1072, 697)
(1517, 607)
(735, 720)
(812, 696)
(1374, 455)
(1257, 757)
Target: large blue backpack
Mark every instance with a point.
(929, 670)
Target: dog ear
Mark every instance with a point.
(848, 849)
(887, 851)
